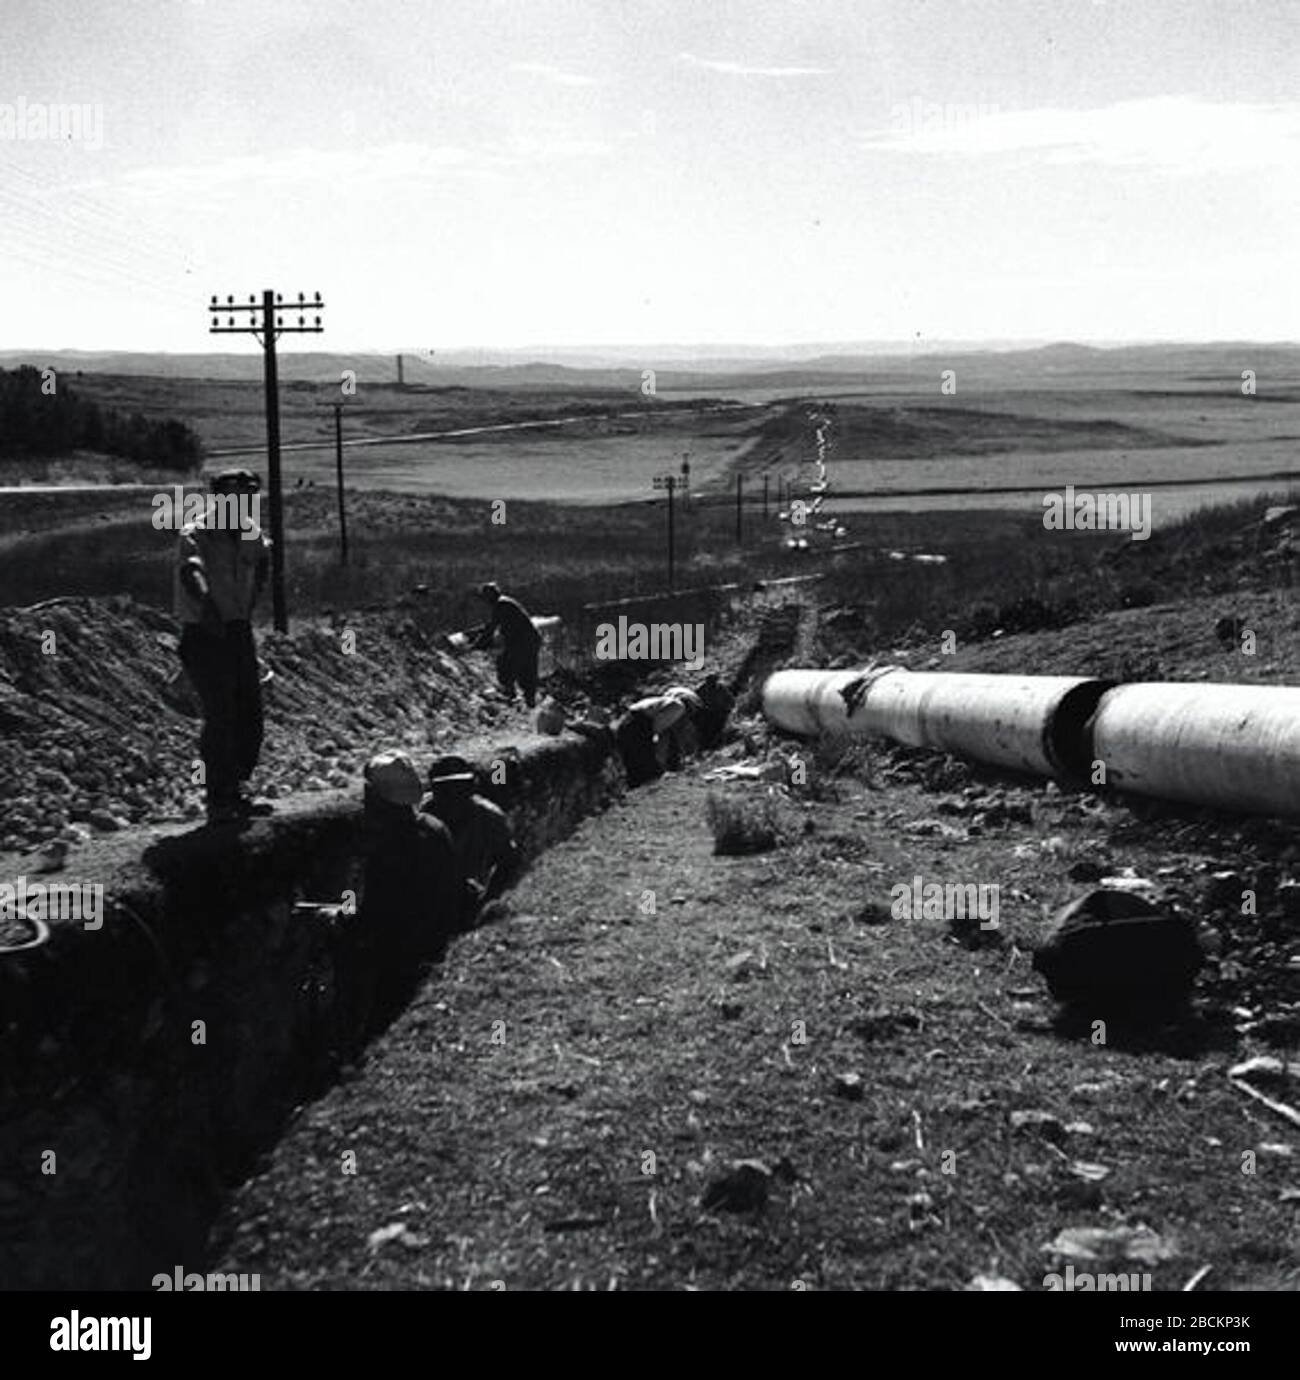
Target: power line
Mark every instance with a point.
(266, 323)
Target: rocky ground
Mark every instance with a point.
(100, 728)
(100, 732)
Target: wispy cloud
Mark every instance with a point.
(1173, 134)
(534, 149)
(404, 163)
(741, 69)
(409, 162)
(556, 75)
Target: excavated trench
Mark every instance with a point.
(149, 1062)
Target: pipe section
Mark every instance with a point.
(1020, 722)
(1229, 746)
(1234, 746)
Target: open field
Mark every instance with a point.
(585, 464)
(896, 442)
(582, 517)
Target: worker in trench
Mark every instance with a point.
(485, 849)
(521, 643)
(413, 894)
(222, 561)
(658, 733)
(715, 705)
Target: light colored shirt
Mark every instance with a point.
(687, 696)
(232, 564)
(663, 711)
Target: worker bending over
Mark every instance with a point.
(521, 643)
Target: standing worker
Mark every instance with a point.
(221, 566)
(522, 644)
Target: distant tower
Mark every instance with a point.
(401, 380)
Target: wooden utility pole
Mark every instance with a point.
(740, 490)
(271, 382)
(668, 482)
(338, 467)
(764, 495)
(267, 328)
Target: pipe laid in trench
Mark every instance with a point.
(1230, 746)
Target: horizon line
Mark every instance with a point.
(697, 350)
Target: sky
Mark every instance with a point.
(519, 173)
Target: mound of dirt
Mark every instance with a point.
(101, 732)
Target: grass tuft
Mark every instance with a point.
(743, 825)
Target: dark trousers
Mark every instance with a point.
(519, 665)
(223, 671)
(635, 738)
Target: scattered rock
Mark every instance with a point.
(1109, 950)
(880, 1023)
(1222, 891)
(1265, 1068)
(745, 1187)
(1047, 1125)
(398, 1232)
(1111, 1243)
(1229, 628)
(1128, 880)
(1288, 900)
(850, 1087)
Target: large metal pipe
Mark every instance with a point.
(1026, 723)
(810, 703)
(1235, 746)
(1229, 746)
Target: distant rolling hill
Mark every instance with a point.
(1276, 365)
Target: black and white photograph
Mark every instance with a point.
(649, 646)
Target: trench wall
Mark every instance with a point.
(100, 1064)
